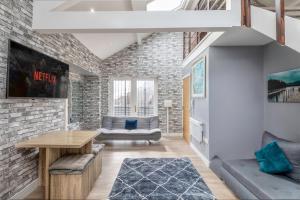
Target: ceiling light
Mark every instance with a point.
(92, 10)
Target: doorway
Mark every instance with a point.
(186, 108)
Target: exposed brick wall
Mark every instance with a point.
(159, 56)
(20, 119)
(75, 98)
(91, 103)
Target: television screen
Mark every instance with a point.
(35, 75)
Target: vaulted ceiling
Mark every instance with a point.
(104, 45)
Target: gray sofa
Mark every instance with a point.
(113, 128)
(247, 182)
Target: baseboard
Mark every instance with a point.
(203, 158)
(27, 190)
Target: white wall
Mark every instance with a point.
(282, 119)
(199, 106)
(233, 109)
(236, 101)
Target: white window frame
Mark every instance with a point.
(133, 97)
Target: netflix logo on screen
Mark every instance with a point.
(43, 76)
(35, 75)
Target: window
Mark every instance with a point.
(134, 97)
(145, 97)
(122, 97)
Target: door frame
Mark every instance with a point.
(184, 120)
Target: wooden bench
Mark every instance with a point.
(72, 177)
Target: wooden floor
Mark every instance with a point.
(115, 153)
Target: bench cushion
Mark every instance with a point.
(264, 186)
(72, 164)
(97, 148)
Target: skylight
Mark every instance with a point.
(164, 5)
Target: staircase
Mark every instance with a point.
(192, 39)
(277, 19)
(278, 23)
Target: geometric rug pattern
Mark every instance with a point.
(159, 179)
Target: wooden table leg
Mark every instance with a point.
(41, 166)
(46, 157)
(88, 148)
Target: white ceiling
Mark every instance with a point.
(242, 37)
(104, 5)
(106, 44)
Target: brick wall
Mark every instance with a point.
(91, 103)
(75, 97)
(20, 119)
(160, 57)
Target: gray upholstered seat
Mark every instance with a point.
(262, 185)
(113, 128)
(97, 148)
(72, 164)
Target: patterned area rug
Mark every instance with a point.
(159, 179)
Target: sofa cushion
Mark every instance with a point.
(128, 132)
(264, 186)
(71, 164)
(291, 150)
(143, 123)
(272, 159)
(107, 122)
(110, 122)
(114, 131)
(154, 122)
(269, 137)
(118, 122)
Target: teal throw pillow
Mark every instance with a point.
(272, 159)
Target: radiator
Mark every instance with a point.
(197, 130)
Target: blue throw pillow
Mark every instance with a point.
(130, 124)
(272, 159)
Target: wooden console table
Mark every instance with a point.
(54, 145)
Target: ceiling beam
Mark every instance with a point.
(138, 5)
(47, 21)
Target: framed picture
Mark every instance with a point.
(284, 87)
(199, 79)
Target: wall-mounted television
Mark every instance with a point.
(32, 74)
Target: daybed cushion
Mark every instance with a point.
(291, 150)
(72, 164)
(107, 122)
(128, 132)
(123, 134)
(264, 186)
(110, 122)
(97, 148)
